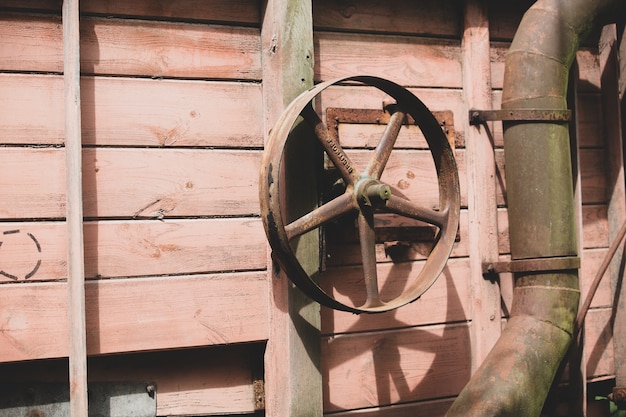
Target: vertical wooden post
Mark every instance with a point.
(293, 377)
(74, 219)
(577, 367)
(616, 189)
(481, 174)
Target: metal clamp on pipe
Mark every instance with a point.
(478, 117)
(560, 263)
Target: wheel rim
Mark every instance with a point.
(365, 194)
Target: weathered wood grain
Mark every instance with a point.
(247, 11)
(133, 112)
(436, 408)
(418, 62)
(293, 381)
(599, 350)
(133, 48)
(131, 183)
(594, 176)
(412, 174)
(432, 18)
(446, 301)
(35, 251)
(372, 369)
(343, 251)
(407, 61)
(74, 209)
(590, 264)
(590, 125)
(482, 190)
(135, 314)
(358, 97)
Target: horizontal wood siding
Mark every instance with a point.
(133, 112)
(420, 48)
(115, 46)
(175, 253)
(135, 314)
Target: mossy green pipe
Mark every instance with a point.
(516, 376)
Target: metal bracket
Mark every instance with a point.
(490, 269)
(478, 117)
(338, 115)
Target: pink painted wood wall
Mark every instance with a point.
(175, 253)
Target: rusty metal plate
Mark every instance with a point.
(338, 115)
(477, 117)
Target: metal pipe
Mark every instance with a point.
(516, 375)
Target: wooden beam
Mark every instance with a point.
(292, 364)
(135, 314)
(615, 187)
(481, 172)
(74, 218)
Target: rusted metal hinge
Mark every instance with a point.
(492, 269)
(477, 117)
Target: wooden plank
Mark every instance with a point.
(194, 381)
(590, 125)
(368, 135)
(132, 183)
(74, 211)
(595, 233)
(124, 47)
(446, 301)
(341, 251)
(615, 189)
(158, 183)
(360, 97)
(593, 169)
(431, 18)
(35, 114)
(293, 380)
(133, 112)
(35, 251)
(135, 314)
(599, 355)
(174, 247)
(405, 60)
(481, 179)
(436, 408)
(247, 11)
(412, 174)
(34, 183)
(369, 369)
(590, 264)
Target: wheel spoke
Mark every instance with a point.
(367, 238)
(331, 146)
(383, 150)
(323, 214)
(409, 209)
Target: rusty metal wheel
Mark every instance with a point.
(365, 194)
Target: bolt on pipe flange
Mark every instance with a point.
(372, 193)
